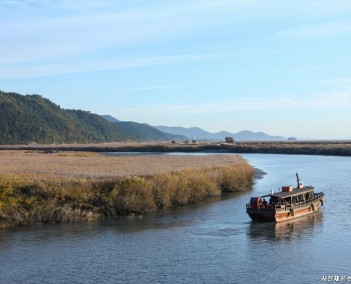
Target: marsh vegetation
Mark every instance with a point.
(77, 186)
(329, 148)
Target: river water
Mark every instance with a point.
(210, 243)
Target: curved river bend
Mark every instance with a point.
(211, 243)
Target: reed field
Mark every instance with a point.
(77, 186)
(330, 148)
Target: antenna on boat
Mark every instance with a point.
(298, 180)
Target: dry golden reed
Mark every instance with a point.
(34, 193)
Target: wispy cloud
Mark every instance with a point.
(332, 100)
(318, 29)
(77, 65)
(63, 29)
(315, 102)
(55, 37)
(339, 83)
(147, 88)
(67, 67)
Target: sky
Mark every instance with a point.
(281, 67)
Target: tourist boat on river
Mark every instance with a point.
(288, 203)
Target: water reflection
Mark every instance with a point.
(176, 217)
(304, 226)
(135, 224)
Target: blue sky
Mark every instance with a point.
(282, 67)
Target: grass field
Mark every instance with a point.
(75, 186)
(95, 165)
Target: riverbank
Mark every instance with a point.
(36, 187)
(327, 148)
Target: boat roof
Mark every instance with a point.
(296, 191)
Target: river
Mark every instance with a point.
(213, 242)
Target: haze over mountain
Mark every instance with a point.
(143, 131)
(200, 134)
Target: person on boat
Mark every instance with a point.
(264, 203)
(270, 203)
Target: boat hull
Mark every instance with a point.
(285, 213)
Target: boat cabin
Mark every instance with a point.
(295, 196)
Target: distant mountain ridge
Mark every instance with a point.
(200, 134)
(143, 131)
(34, 119)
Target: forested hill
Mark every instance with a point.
(32, 118)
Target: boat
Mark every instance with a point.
(286, 204)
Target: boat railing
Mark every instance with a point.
(288, 206)
(284, 206)
(261, 207)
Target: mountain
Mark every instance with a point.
(256, 136)
(200, 134)
(110, 118)
(143, 131)
(32, 118)
(189, 133)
